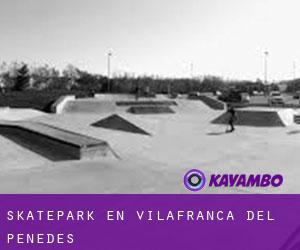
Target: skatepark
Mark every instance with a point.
(115, 144)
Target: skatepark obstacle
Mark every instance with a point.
(145, 110)
(116, 122)
(146, 103)
(58, 106)
(255, 118)
(211, 102)
(54, 143)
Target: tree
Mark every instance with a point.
(43, 76)
(14, 76)
(73, 74)
(22, 78)
(89, 82)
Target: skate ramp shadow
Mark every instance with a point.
(43, 149)
(293, 132)
(215, 133)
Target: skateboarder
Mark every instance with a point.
(137, 92)
(231, 118)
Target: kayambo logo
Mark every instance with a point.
(194, 180)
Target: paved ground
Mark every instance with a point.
(155, 164)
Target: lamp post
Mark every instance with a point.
(294, 70)
(109, 55)
(294, 76)
(192, 69)
(266, 66)
(267, 87)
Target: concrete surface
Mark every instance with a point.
(155, 164)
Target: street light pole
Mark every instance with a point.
(267, 87)
(294, 70)
(192, 69)
(294, 76)
(108, 71)
(266, 67)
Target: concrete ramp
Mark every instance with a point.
(128, 97)
(18, 114)
(116, 122)
(104, 103)
(54, 143)
(151, 110)
(288, 116)
(254, 118)
(211, 102)
(114, 97)
(90, 106)
(146, 103)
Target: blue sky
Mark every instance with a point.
(158, 37)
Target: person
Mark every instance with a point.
(231, 118)
(137, 92)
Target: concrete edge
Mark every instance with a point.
(58, 106)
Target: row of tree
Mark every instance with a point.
(20, 76)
